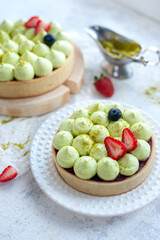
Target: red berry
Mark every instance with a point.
(42, 25)
(129, 139)
(104, 86)
(8, 174)
(32, 22)
(115, 148)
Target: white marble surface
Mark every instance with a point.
(25, 212)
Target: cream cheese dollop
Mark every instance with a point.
(6, 72)
(10, 45)
(98, 133)
(142, 131)
(67, 156)
(132, 116)
(63, 36)
(18, 29)
(26, 45)
(29, 57)
(10, 58)
(142, 151)
(7, 26)
(56, 58)
(81, 125)
(128, 164)
(41, 49)
(83, 143)
(107, 169)
(67, 125)
(23, 71)
(43, 67)
(40, 36)
(100, 118)
(3, 36)
(21, 22)
(62, 46)
(19, 38)
(82, 112)
(94, 107)
(62, 139)
(30, 33)
(55, 28)
(98, 151)
(116, 128)
(85, 167)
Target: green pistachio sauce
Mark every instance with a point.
(7, 121)
(121, 49)
(19, 145)
(25, 153)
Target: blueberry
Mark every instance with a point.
(49, 39)
(114, 114)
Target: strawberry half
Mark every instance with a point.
(42, 25)
(129, 139)
(115, 148)
(8, 174)
(32, 22)
(104, 85)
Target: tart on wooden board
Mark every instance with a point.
(104, 150)
(35, 57)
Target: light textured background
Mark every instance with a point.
(25, 211)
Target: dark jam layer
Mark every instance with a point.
(120, 177)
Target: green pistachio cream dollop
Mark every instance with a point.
(43, 67)
(85, 167)
(56, 58)
(62, 46)
(67, 156)
(24, 71)
(10, 58)
(6, 72)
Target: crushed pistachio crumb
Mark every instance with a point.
(7, 121)
(153, 92)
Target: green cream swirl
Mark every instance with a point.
(24, 71)
(85, 167)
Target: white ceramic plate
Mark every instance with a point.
(51, 183)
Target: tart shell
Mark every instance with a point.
(103, 189)
(38, 85)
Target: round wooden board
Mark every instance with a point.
(106, 188)
(32, 106)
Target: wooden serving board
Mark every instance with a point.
(32, 106)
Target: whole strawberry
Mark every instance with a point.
(104, 85)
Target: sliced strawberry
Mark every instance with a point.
(42, 25)
(32, 22)
(8, 174)
(104, 85)
(115, 148)
(129, 139)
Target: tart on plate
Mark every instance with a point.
(35, 57)
(104, 150)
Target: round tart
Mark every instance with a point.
(35, 57)
(100, 155)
